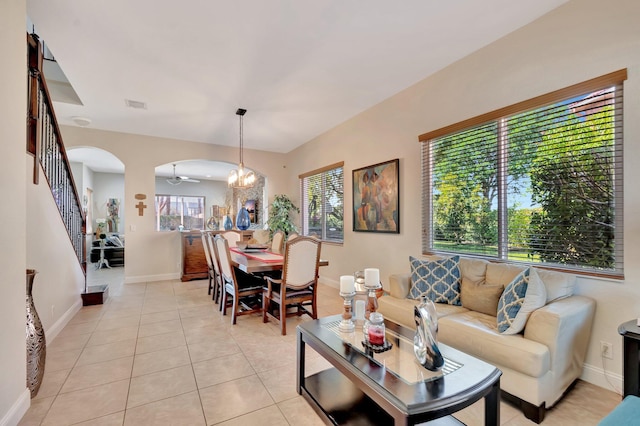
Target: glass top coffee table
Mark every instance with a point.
(390, 387)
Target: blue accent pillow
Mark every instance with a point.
(438, 280)
(523, 295)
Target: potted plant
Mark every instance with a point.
(279, 215)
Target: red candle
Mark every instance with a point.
(376, 336)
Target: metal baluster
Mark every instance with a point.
(57, 173)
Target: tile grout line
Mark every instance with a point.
(195, 379)
(135, 352)
(188, 304)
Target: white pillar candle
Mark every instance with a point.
(371, 277)
(359, 310)
(347, 284)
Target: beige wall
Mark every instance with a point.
(580, 40)
(60, 280)
(14, 396)
(152, 255)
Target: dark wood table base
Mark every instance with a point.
(359, 391)
(346, 404)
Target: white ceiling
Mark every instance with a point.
(299, 67)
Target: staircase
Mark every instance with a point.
(44, 143)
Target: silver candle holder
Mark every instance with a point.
(347, 325)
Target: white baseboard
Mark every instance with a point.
(57, 327)
(596, 375)
(149, 278)
(17, 410)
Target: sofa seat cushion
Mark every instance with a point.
(401, 310)
(477, 334)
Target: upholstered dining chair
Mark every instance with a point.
(207, 254)
(217, 280)
(261, 236)
(277, 242)
(245, 294)
(233, 237)
(292, 236)
(299, 283)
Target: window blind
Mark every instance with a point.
(322, 210)
(541, 186)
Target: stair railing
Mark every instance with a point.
(44, 142)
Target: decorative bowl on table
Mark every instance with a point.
(251, 248)
(256, 247)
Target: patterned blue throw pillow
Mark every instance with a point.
(438, 280)
(523, 295)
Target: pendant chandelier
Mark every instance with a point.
(241, 178)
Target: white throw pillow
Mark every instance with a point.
(558, 284)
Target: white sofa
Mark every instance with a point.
(538, 365)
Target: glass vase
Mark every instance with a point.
(227, 223)
(243, 221)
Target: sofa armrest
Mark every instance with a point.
(564, 326)
(399, 285)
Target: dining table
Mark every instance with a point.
(259, 260)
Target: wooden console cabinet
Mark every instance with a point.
(194, 262)
(631, 346)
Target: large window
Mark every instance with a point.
(173, 211)
(539, 182)
(322, 195)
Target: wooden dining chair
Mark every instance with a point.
(299, 283)
(277, 242)
(261, 236)
(217, 279)
(233, 237)
(207, 254)
(292, 236)
(245, 294)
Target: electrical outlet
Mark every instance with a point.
(606, 350)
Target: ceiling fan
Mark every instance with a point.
(177, 180)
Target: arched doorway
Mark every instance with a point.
(204, 182)
(99, 180)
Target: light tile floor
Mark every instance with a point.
(161, 353)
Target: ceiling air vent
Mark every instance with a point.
(135, 104)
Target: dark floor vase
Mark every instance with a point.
(36, 343)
